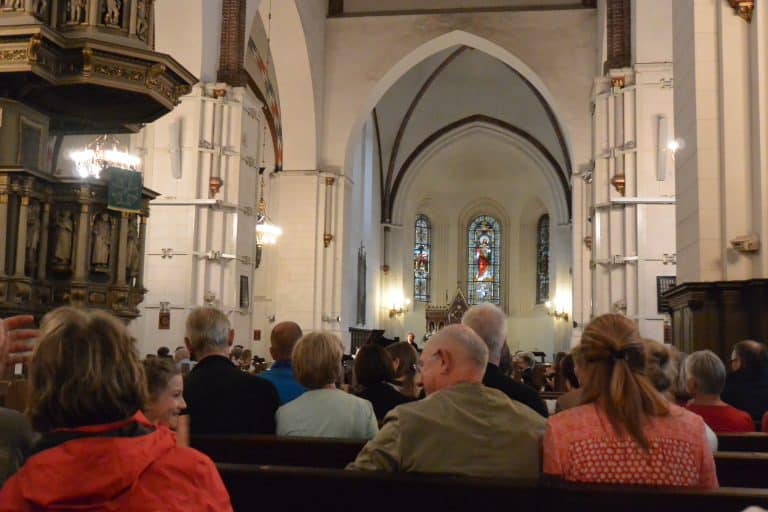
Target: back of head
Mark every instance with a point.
(528, 358)
(568, 371)
(158, 373)
(406, 356)
(707, 372)
(282, 340)
(612, 359)
(373, 364)
(490, 323)
(316, 360)
(85, 371)
(468, 355)
(180, 354)
(207, 331)
(163, 352)
(661, 366)
(752, 356)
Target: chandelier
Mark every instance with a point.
(100, 154)
(266, 232)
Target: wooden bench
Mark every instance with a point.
(742, 469)
(751, 442)
(280, 451)
(320, 489)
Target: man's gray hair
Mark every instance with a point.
(474, 347)
(490, 323)
(207, 331)
(707, 371)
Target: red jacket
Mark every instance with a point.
(136, 473)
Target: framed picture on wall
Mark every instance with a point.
(663, 284)
(245, 300)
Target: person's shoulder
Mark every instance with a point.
(684, 416)
(578, 414)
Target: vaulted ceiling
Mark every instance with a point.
(451, 89)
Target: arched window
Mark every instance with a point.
(484, 261)
(542, 260)
(422, 259)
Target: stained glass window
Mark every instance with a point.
(422, 259)
(542, 260)
(484, 261)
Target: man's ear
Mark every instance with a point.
(231, 338)
(272, 353)
(446, 361)
(189, 347)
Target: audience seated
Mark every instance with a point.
(374, 375)
(572, 396)
(183, 362)
(462, 427)
(626, 432)
(281, 342)
(404, 359)
(165, 393)
(220, 398)
(164, 352)
(98, 451)
(525, 363)
(746, 387)
(705, 376)
(490, 323)
(323, 410)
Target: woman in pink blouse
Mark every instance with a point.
(624, 432)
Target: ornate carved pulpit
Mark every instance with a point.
(438, 317)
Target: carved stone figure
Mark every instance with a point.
(102, 239)
(112, 16)
(40, 7)
(14, 5)
(142, 19)
(133, 247)
(65, 228)
(33, 233)
(75, 11)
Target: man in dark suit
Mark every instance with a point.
(220, 398)
(490, 323)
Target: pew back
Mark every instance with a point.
(751, 442)
(320, 489)
(279, 451)
(742, 469)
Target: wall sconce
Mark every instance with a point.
(559, 307)
(399, 305)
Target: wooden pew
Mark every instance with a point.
(742, 469)
(751, 442)
(280, 451)
(320, 489)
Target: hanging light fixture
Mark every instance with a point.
(267, 233)
(100, 154)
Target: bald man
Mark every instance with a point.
(746, 387)
(462, 427)
(284, 336)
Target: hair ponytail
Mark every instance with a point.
(613, 359)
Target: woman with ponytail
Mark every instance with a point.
(624, 432)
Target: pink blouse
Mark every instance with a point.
(581, 446)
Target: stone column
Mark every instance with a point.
(42, 251)
(81, 249)
(21, 239)
(122, 250)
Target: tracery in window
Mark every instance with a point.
(422, 259)
(542, 260)
(484, 261)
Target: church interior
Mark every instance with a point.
(377, 167)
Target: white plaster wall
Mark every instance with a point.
(189, 31)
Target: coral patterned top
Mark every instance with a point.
(581, 446)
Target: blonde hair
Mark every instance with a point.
(316, 360)
(613, 359)
(85, 371)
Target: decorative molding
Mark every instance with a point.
(743, 9)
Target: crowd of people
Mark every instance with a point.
(104, 430)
